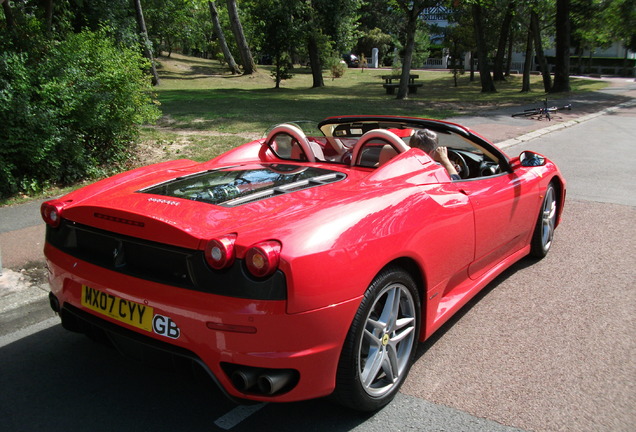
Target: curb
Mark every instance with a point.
(16, 291)
(538, 133)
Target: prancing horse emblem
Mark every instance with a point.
(118, 255)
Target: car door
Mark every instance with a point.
(505, 209)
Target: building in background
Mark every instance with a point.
(602, 61)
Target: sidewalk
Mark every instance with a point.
(24, 277)
(501, 128)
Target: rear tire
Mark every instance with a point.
(381, 344)
(546, 223)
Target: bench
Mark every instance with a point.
(390, 87)
(390, 78)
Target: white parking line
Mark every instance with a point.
(237, 415)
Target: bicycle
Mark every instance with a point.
(543, 111)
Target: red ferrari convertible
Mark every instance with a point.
(302, 264)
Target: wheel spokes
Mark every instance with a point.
(407, 325)
(391, 308)
(387, 340)
(372, 367)
(391, 364)
(548, 218)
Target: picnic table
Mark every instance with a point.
(390, 86)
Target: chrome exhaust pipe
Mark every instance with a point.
(244, 379)
(271, 382)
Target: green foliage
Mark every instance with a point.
(374, 38)
(281, 32)
(282, 28)
(339, 20)
(71, 114)
(336, 67)
(396, 66)
(117, 15)
(382, 15)
(180, 25)
(282, 68)
(596, 24)
(422, 46)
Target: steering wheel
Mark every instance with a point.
(460, 163)
(377, 134)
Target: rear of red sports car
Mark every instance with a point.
(198, 264)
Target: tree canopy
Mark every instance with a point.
(314, 32)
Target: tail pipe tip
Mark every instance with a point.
(271, 382)
(264, 381)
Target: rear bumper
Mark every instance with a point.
(222, 334)
(131, 343)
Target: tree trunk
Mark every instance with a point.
(509, 62)
(8, 15)
(314, 61)
(498, 67)
(538, 46)
(525, 86)
(411, 27)
(278, 71)
(48, 13)
(455, 55)
(562, 68)
(229, 59)
(143, 33)
(487, 84)
(249, 67)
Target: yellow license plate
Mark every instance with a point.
(125, 311)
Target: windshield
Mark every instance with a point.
(344, 135)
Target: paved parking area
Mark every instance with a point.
(550, 345)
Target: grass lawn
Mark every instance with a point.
(207, 111)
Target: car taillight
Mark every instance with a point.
(262, 258)
(51, 212)
(219, 252)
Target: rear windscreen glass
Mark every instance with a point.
(234, 186)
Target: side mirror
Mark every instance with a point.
(531, 159)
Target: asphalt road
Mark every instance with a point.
(547, 346)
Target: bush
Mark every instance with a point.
(337, 67)
(282, 68)
(71, 114)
